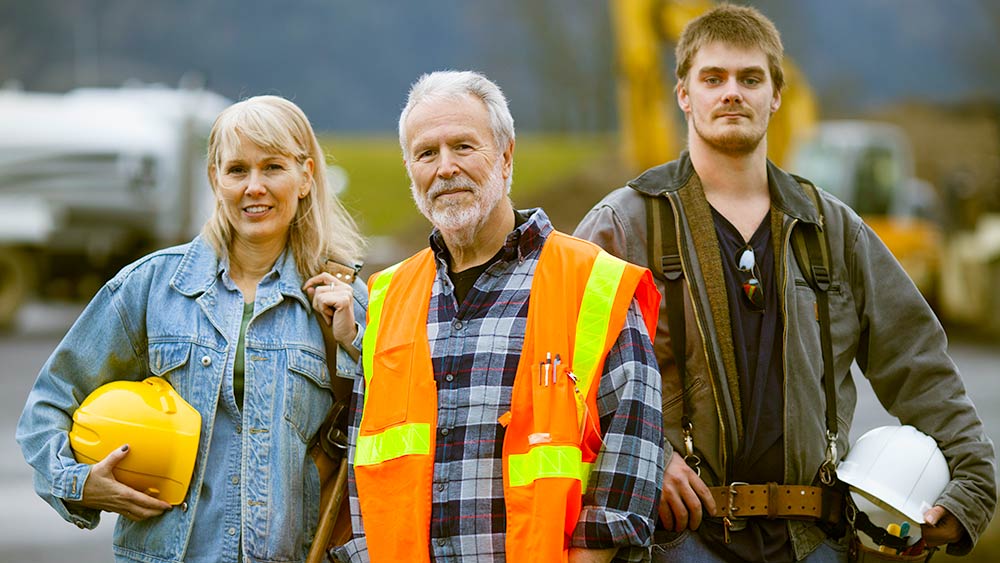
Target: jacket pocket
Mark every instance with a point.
(675, 400)
(307, 392)
(387, 394)
(165, 357)
(168, 360)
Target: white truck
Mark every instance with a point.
(94, 178)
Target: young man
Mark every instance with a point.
(753, 395)
(510, 404)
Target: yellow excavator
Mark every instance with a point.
(871, 162)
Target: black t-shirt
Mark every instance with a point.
(464, 280)
(757, 342)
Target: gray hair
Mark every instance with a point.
(454, 84)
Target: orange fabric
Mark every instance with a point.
(396, 495)
(541, 516)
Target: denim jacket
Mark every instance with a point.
(176, 314)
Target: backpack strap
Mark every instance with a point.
(812, 252)
(665, 263)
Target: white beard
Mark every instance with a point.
(459, 218)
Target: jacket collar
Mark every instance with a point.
(201, 268)
(786, 193)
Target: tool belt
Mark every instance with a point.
(771, 500)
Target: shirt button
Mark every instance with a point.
(236, 479)
(184, 506)
(239, 429)
(206, 361)
(449, 377)
(440, 486)
(444, 431)
(441, 542)
(232, 531)
(457, 324)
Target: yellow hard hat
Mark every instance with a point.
(160, 427)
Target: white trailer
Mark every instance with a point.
(94, 178)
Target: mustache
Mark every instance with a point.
(739, 110)
(444, 185)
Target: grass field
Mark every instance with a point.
(378, 190)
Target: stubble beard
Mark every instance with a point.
(459, 219)
(733, 141)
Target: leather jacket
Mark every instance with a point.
(878, 319)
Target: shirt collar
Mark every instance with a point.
(526, 238)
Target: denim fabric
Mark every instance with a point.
(176, 314)
(688, 546)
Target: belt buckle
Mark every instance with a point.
(730, 521)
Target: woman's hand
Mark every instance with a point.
(102, 491)
(334, 301)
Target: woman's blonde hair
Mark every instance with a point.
(321, 229)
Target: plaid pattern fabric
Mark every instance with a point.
(475, 350)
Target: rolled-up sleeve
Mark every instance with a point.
(619, 506)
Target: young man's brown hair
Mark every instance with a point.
(740, 26)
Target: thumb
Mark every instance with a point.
(114, 458)
(933, 515)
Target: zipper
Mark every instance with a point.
(785, 274)
(724, 428)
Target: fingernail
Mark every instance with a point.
(125, 448)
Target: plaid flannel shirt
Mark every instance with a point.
(475, 349)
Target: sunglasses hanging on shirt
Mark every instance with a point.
(753, 291)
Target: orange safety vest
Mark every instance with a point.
(579, 298)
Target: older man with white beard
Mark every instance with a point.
(509, 406)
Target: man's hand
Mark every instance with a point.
(684, 496)
(940, 527)
(102, 491)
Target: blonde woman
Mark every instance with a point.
(233, 312)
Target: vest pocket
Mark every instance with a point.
(387, 394)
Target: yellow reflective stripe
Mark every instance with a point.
(375, 301)
(406, 439)
(548, 461)
(592, 324)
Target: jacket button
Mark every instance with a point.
(232, 531)
(206, 361)
(184, 506)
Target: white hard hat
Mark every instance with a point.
(898, 468)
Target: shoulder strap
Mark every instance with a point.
(665, 263)
(810, 246)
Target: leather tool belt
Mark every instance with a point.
(771, 500)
